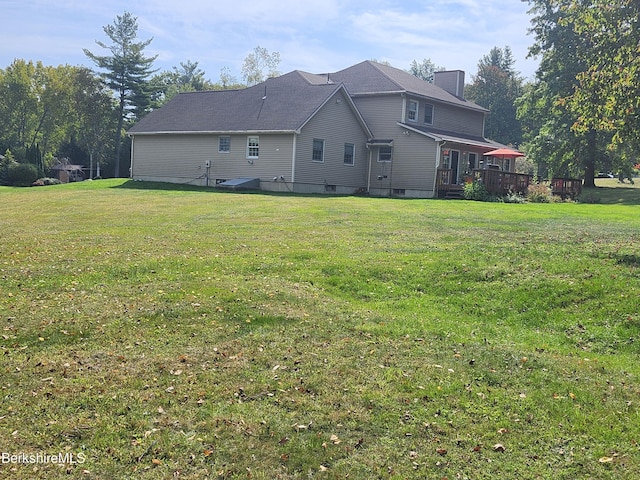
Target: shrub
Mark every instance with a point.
(539, 193)
(476, 191)
(46, 181)
(513, 197)
(22, 174)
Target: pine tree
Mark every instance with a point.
(126, 72)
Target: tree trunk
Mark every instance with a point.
(590, 161)
(116, 172)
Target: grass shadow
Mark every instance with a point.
(163, 186)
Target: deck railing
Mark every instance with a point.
(498, 182)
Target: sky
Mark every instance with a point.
(316, 36)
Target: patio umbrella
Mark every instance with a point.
(504, 153)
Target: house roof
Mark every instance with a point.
(368, 78)
(281, 104)
(453, 137)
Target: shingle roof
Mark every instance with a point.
(282, 104)
(369, 77)
(455, 137)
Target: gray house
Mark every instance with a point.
(368, 128)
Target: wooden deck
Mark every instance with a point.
(498, 182)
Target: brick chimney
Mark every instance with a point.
(451, 80)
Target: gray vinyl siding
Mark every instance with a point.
(182, 158)
(417, 167)
(172, 158)
(448, 117)
(336, 123)
(274, 158)
(381, 112)
(454, 119)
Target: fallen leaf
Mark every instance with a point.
(334, 439)
(207, 452)
(323, 468)
(441, 451)
(498, 447)
(605, 459)
(155, 461)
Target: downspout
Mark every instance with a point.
(369, 174)
(133, 138)
(293, 159)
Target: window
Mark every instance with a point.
(224, 144)
(413, 111)
(349, 153)
(318, 150)
(253, 147)
(384, 154)
(428, 114)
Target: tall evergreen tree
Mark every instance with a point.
(126, 71)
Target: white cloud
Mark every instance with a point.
(312, 35)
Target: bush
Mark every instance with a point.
(476, 191)
(22, 174)
(513, 197)
(539, 193)
(41, 182)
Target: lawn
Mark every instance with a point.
(153, 332)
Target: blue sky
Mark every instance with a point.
(312, 35)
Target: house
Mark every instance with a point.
(368, 128)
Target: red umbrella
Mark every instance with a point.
(504, 153)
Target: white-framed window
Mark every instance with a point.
(224, 144)
(385, 153)
(253, 146)
(349, 154)
(428, 114)
(412, 114)
(317, 155)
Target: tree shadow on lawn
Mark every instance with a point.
(611, 192)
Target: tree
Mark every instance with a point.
(255, 64)
(36, 105)
(424, 69)
(551, 138)
(496, 86)
(95, 117)
(607, 95)
(126, 71)
(227, 80)
(187, 78)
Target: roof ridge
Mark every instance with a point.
(377, 66)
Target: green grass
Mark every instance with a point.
(182, 332)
